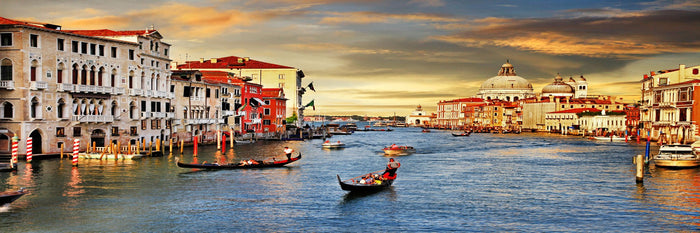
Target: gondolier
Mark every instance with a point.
(288, 152)
(390, 172)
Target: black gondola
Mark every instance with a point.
(10, 196)
(465, 134)
(261, 164)
(6, 167)
(364, 188)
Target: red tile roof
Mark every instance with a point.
(578, 110)
(107, 32)
(6, 21)
(231, 62)
(216, 77)
(463, 100)
(272, 92)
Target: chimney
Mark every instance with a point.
(612, 99)
(201, 60)
(240, 60)
(681, 75)
(213, 60)
(246, 58)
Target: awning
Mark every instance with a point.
(256, 102)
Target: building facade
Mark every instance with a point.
(274, 112)
(418, 118)
(99, 86)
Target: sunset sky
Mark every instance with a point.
(373, 57)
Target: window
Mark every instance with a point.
(266, 122)
(187, 92)
(663, 81)
(131, 54)
(59, 109)
(208, 93)
(115, 131)
(695, 71)
(144, 123)
(74, 46)
(7, 110)
(5, 39)
(101, 50)
(267, 112)
(168, 124)
(114, 52)
(93, 49)
(133, 131)
(59, 44)
(76, 132)
(281, 76)
(165, 52)
(34, 40)
(5, 69)
(60, 132)
(83, 47)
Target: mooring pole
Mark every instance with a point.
(639, 161)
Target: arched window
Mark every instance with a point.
(83, 75)
(99, 76)
(59, 108)
(75, 73)
(114, 78)
(113, 110)
(7, 110)
(59, 72)
(32, 70)
(76, 107)
(132, 110)
(6, 69)
(131, 79)
(34, 109)
(92, 76)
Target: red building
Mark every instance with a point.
(274, 111)
(250, 109)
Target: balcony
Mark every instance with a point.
(228, 113)
(37, 85)
(93, 119)
(158, 114)
(66, 87)
(196, 98)
(7, 84)
(135, 92)
(170, 115)
(145, 115)
(118, 91)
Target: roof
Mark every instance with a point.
(230, 62)
(216, 77)
(578, 110)
(107, 32)
(6, 21)
(471, 99)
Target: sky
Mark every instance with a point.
(385, 57)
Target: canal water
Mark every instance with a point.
(484, 182)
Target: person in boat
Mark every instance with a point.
(252, 161)
(394, 146)
(369, 179)
(391, 168)
(288, 152)
(363, 180)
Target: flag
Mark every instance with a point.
(311, 104)
(311, 86)
(242, 107)
(302, 91)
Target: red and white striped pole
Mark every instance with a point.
(13, 160)
(223, 142)
(76, 148)
(29, 149)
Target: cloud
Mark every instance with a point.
(179, 20)
(626, 36)
(367, 17)
(427, 3)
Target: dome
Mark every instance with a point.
(558, 87)
(506, 82)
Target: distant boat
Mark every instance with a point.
(608, 138)
(676, 156)
(109, 156)
(464, 134)
(353, 185)
(425, 131)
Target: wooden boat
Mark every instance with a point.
(464, 134)
(10, 196)
(676, 156)
(333, 145)
(425, 131)
(352, 186)
(260, 164)
(398, 150)
(6, 167)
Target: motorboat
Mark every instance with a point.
(614, 138)
(676, 156)
(398, 150)
(333, 145)
(7, 197)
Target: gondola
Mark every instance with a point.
(349, 185)
(261, 164)
(10, 196)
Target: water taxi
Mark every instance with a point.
(676, 156)
(333, 145)
(398, 150)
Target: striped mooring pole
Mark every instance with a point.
(13, 160)
(29, 149)
(76, 147)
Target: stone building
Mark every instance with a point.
(506, 86)
(99, 86)
(418, 117)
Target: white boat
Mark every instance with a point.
(333, 145)
(608, 138)
(676, 156)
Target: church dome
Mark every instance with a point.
(506, 79)
(558, 87)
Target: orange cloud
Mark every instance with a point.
(365, 17)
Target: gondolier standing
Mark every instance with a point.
(288, 151)
(390, 172)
